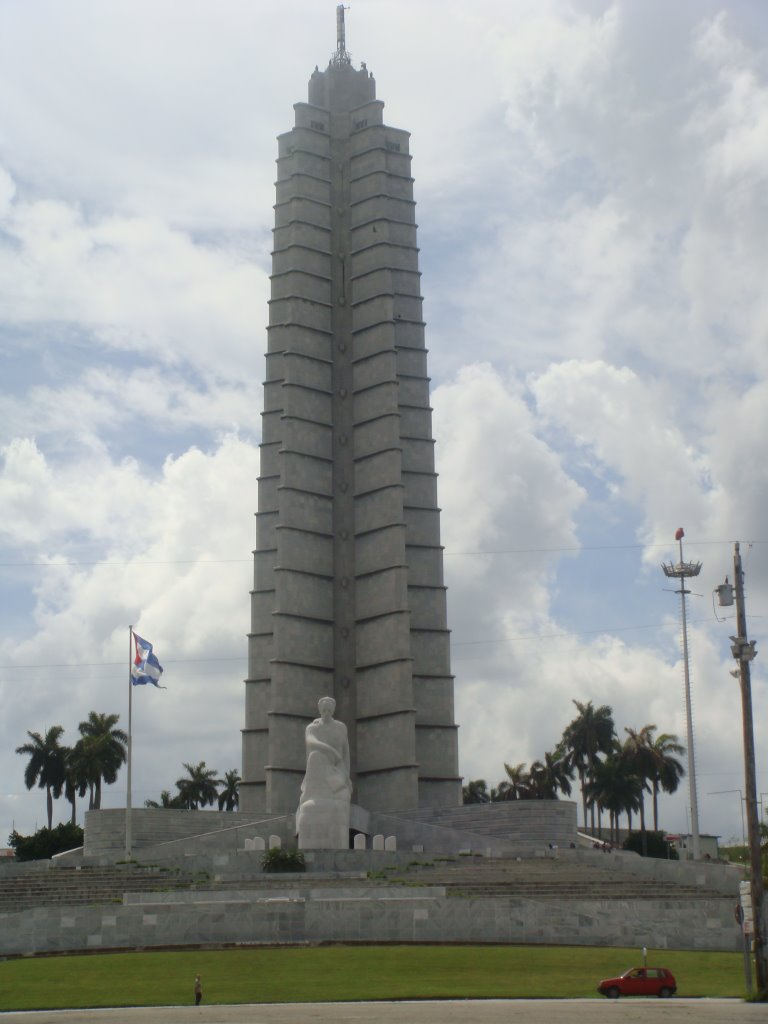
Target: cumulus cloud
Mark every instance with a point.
(623, 421)
(135, 284)
(100, 404)
(169, 557)
(592, 223)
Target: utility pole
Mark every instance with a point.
(744, 651)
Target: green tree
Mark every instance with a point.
(549, 775)
(615, 788)
(516, 786)
(476, 792)
(46, 766)
(105, 747)
(589, 734)
(229, 795)
(166, 800)
(76, 782)
(639, 751)
(652, 845)
(200, 788)
(668, 771)
(46, 842)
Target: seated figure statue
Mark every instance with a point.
(322, 820)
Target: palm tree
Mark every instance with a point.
(166, 800)
(615, 788)
(107, 750)
(668, 771)
(589, 734)
(476, 792)
(553, 773)
(85, 758)
(76, 782)
(515, 786)
(200, 788)
(638, 748)
(46, 766)
(229, 796)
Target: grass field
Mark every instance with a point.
(330, 973)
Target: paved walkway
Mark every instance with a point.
(470, 1011)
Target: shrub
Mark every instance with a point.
(283, 860)
(46, 842)
(656, 845)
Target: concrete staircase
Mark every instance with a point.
(87, 885)
(459, 877)
(551, 879)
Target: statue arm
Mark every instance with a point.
(313, 743)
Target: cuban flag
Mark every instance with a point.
(145, 668)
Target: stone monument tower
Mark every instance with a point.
(348, 597)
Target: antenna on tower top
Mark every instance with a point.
(340, 56)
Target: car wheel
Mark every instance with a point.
(665, 993)
(612, 992)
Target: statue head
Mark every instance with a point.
(326, 706)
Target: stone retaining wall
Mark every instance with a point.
(515, 826)
(344, 915)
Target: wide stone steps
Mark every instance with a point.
(564, 891)
(86, 886)
(465, 877)
(546, 879)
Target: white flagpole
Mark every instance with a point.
(130, 729)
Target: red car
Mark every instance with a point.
(640, 981)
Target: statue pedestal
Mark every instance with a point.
(323, 824)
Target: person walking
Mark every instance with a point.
(198, 990)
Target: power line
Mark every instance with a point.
(446, 554)
(170, 561)
(458, 643)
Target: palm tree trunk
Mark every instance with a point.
(49, 805)
(655, 805)
(644, 837)
(583, 797)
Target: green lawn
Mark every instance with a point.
(327, 973)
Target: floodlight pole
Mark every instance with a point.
(744, 651)
(683, 571)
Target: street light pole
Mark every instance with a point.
(744, 651)
(683, 571)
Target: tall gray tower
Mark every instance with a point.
(348, 597)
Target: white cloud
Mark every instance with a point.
(590, 187)
(623, 422)
(102, 403)
(136, 284)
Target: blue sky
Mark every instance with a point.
(590, 179)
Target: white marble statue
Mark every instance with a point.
(322, 820)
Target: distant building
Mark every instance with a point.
(684, 846)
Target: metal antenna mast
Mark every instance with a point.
(340, 56)
(683, 571)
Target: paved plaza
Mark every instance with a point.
(469, 1011)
